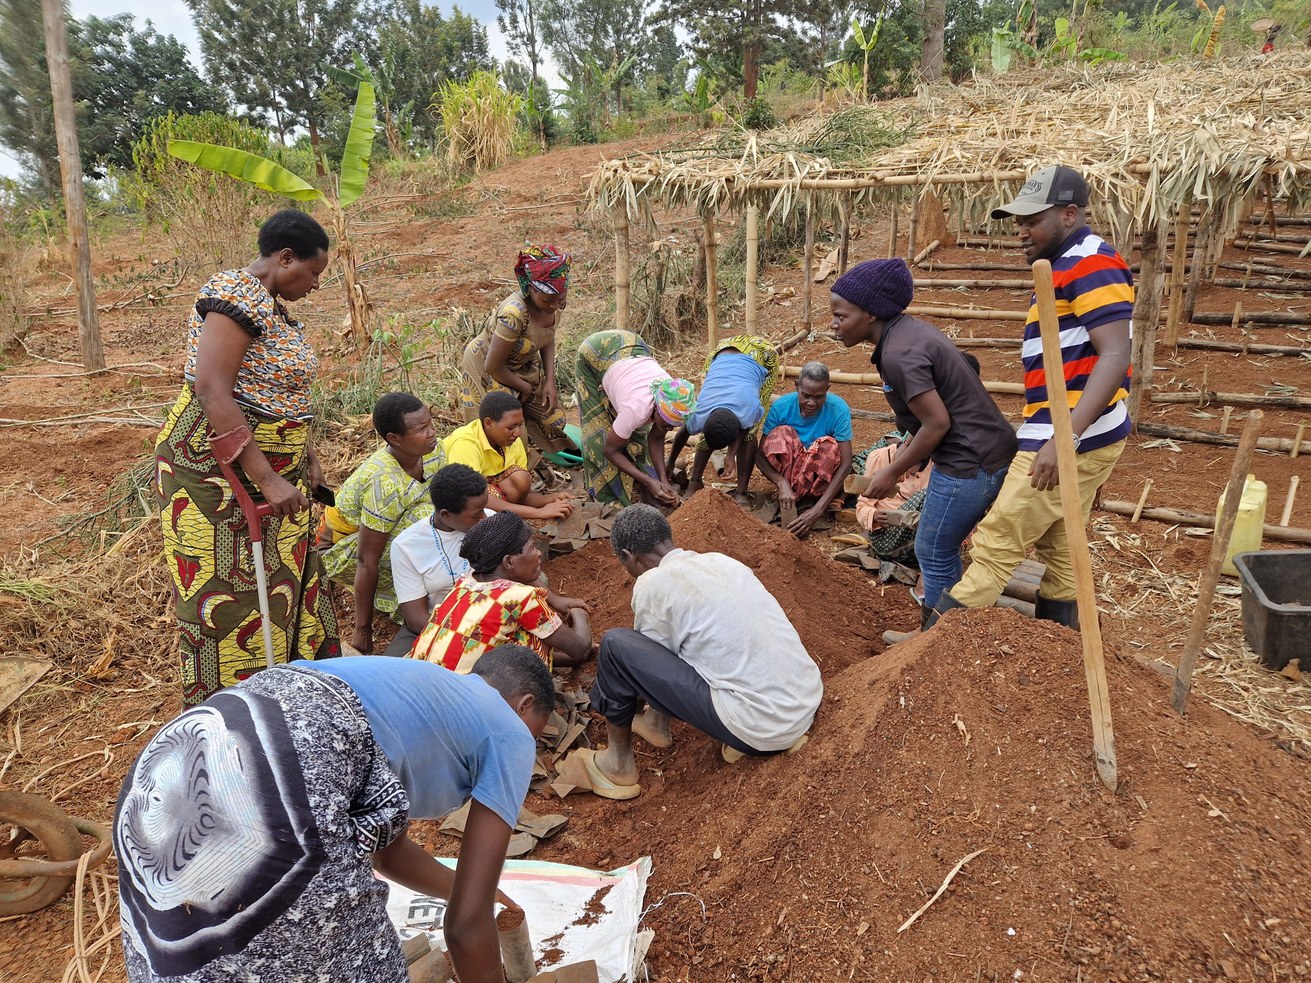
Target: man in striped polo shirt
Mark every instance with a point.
(1094, 298)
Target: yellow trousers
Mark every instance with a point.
(1023, 518)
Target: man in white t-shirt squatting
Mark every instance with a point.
(709, 645)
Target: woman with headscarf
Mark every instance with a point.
(246, 401)
(515, 351)
(500, 602)
(628, 404)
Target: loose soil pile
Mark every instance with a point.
(974, 735)
(838, 612)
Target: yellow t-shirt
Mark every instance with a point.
(469, 445)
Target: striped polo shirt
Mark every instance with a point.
(1093, 287)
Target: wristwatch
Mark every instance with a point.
(1077, 439)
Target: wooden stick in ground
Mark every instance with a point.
(1142, 501)
(622, 274)
(892, 230)
(712, 281)
(753, 265)
(1090, 631)
(1297, 440)
(1183, 674)
(923, 254)
(1288, 502)
(808, 263)
(1176, 288)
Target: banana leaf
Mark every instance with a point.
(243, 166)
(359, 147)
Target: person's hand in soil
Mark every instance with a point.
(663, 492)
(1044, 470)
(282, 495)
(361, 639)
(559, 509)
(801, 525)
(504, 899)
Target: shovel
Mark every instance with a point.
(226, 448)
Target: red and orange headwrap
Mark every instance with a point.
(543, 267)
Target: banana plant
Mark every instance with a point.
(352, 173)
(866, 41)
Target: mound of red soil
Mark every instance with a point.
(838, 612)
(975, 735)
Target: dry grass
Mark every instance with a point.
(1147, 137)
(479, 118)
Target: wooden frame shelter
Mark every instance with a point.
(1175, 155)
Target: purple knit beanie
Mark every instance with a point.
(882, 287)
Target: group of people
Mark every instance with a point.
(249, 828)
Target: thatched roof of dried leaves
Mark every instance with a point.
(1145, 136)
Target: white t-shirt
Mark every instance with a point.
(627, 384)
(713, 612)
(426, 562)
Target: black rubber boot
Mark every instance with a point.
(1062, 612)
(945, 603)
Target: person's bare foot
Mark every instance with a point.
(742, 498)
(652, 726)
(621, 772)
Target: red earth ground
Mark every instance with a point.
(974, 736)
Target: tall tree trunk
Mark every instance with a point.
(313, 127)
(70, 167)
(750, 69)
(935, 26)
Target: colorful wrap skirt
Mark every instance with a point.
(210, 558)
(243, 834)
(604, 481)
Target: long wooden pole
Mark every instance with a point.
(70, 170)
(808, 263)
(1196, 344)
(1206, 397)
(1146, 315)
(1176, 288)
(874, 379)
(1200, 520)
(623, 274)
(844, 232)
(753, 265)
(1090, 631)
(712, 281)
(892, 230)
(1183, 674)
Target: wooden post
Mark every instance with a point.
(1288, 502)
(753, 265)
(1142, 501)
(623, 275)
(1183, 674)
(1090, 631)
(712, 281)
(1146, 315)
(892, 230)
(808, 262)
(1207, 230)
(844, 232)
(1178, 260)
(70, 170)
(914, 228)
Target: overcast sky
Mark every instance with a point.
(173, 17)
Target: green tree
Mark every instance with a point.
(608, 33)
(425, 51)
(271, 57)
(730, 39)
(27, 119)
(123, 78)
(520, 22)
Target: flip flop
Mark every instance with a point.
(732, 755)
(601, 785)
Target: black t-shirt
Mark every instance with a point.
(913, 357)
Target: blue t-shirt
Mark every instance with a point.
(733, 382)
(448, 736)
(832, 420)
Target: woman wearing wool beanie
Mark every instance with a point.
(940, 400)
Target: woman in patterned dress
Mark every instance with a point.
(515, 351)
(248, 376)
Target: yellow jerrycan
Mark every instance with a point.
(1247, 524)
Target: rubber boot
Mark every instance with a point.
(1062, 612)
(945, 603)
(893, 637)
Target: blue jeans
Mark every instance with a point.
(952, 507)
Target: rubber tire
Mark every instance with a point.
(56, 834)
